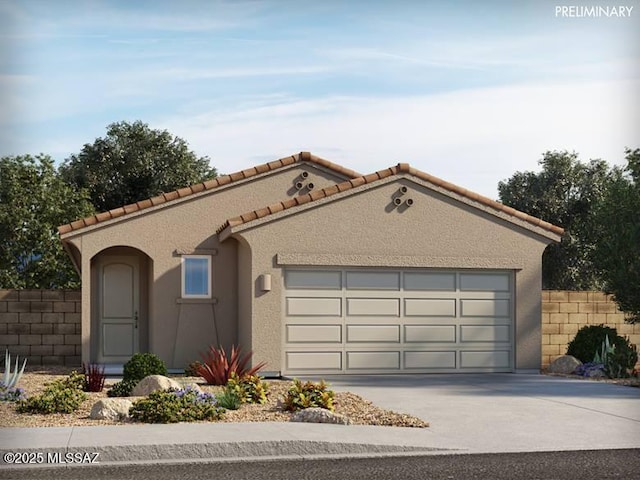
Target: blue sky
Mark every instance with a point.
(470, 91)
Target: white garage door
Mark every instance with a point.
(385, 321)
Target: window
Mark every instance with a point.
(196, 276)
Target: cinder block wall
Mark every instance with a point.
(41, 325)
(565, 312)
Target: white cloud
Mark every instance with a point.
(474, 138)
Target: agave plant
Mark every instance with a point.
(10, 379)
(217, 368)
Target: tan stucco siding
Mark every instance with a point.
(179, 331)
(365, 227)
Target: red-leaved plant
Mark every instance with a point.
(93, 377)
(217, 368)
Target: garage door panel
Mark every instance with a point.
(313, 280)
(421, 307)
(429, 333)
(485, 359)
(493, 282)
(484, 308)
(485, 333)
(373, 307)
(429, 360)
(317, 307)
(359, 320)
(373, 280)
(373, 360)
(425, 281)
(314, 333)
(321, 361)
(373, 333)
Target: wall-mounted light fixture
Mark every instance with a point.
(264, 282)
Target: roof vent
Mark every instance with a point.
(397, 201)
(310, 186)
(304, 174)
(299, 185)
(403, 190)
(409, 202)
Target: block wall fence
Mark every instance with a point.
(565, 312)
(44, 325)
(41, 325)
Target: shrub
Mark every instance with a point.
(171, 406)
(307, 395)
(248, 388)
(93, 377)
(139, 366)
(60, 396)
(619, 359)
(12, 394)
(10, 379)
(142, 365)
(192, 369)
(122, 388)
(217, 368)
(229, 400)
(588, 369)
(588, 341)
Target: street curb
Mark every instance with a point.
(213, 452)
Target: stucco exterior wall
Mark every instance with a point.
(178, 331)
(366, 229)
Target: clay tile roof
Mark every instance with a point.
(374, 177)
(207, 185)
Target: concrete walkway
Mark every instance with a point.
(467, 413)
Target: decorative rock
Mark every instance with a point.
(565, 364)
(111, 409)
(153, 383)
(320, 415)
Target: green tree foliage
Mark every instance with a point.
(132, 163)
(34, 201)
(617, 254)
(566, 193)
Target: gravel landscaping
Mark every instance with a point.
(359, 410)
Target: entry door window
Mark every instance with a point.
(196, 276)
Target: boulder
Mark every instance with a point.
(153, 383)
(111, 409)
(319, 415)
(565, 364)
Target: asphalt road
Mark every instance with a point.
(579, 465)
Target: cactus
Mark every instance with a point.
(10, 379)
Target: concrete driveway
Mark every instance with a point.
(509, 412)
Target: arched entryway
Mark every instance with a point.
(120, 304)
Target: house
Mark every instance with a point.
(318, 270)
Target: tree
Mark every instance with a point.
(617, 252)
(34, 201)
(566, 193)
(132, 163)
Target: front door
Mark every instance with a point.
(119, 301)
